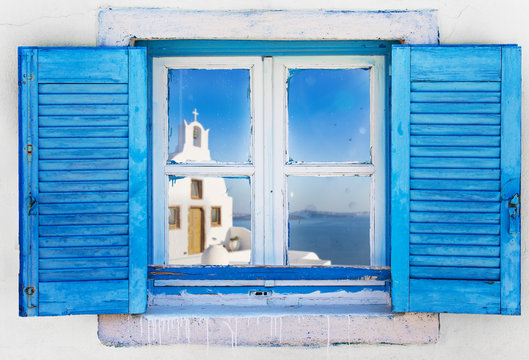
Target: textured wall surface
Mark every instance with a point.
(74, 23)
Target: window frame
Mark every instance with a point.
(177, 224)
(218, 210)
(170, 48)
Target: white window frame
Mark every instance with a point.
(268, 79)
(161, 169)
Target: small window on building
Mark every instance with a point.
(215, 216)
(196, 189)
(196, 136)
(174, 217)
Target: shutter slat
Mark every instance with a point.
(490, 141)
(84, 175)
(83, 88)
(76, 186)
(461, 261)
(452, 129)
(81, 197)
(455, 108)
(467, 217)
(83, 164)
(463, 174)
(70, 241)
(83, 230)
(77, 99)
(440, 228)
(83, 208)
(456, 86)
(461, 273)
(448, 195)
(465, 163)
(90, 219)
(83, 263)
(455, 206)
(85, 132)
(86, 121)
(458, 239)
(454, 96)
(459, 152)
(49, 110)
(84, 274)
(83, 252)
(82, 143)
(455, 250)
(77, 154)
(456, 119)
(486, 185)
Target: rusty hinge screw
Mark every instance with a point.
(30, 290)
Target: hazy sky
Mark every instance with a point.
(328, 121)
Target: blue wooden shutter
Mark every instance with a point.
(83, 180)
(455, 179)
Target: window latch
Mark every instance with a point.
(514, 214)
(31, 204)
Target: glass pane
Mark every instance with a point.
(213, 229)
(328, 115)
(329, 220)
(209, 115)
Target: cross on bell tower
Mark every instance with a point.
(195, 113)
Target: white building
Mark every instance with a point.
(200, 210)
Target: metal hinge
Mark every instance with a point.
(29, 149)
(514, 214)
(31, 204)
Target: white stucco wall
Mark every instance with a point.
(69, 23)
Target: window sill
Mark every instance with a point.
(269, 325)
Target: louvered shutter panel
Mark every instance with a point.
(83, 180)
(455, 179)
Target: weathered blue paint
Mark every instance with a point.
(286, 290)
(464, 169)
(267, 273)
(510, 177)
(400, 178)
(455, 296)
(160, 48)
(81, 250)
(138, 153)
(28, 181)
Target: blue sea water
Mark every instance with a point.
(342, 240)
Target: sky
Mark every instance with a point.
(328, 116)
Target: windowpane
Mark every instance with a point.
(209, 115)
(215, 228)
(215, 216)
(329, 115)
(174, 217)
(196, 189)
(329, 220)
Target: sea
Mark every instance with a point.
(342, 240)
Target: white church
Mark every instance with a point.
(200, 210)
(200, 217)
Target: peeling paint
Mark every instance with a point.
(291, 330)
(118, 27)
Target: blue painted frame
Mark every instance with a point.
(172, 48)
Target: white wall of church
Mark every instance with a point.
(74, 23)
(214, 194)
